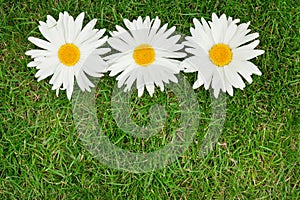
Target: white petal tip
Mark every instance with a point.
(258, 73)
(195, 87)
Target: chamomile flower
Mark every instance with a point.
(146, 53)
(69, 52)
(220, 54)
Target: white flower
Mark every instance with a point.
(69, 51)
(145, 54)
(218, 55)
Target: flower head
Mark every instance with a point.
(69, 52)
(220, 54)
(145, 54)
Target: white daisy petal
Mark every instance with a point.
(124, 36)
(150, 88)
(157, 78)
(141, 91)
(140, 35)
(94, 66)
(159, 34)
(44, 29)
(68, 52)
(239, 35)
(201, 37)
(154, 29)
(86, 32)
(71, 28)
(125, 75)
(253, 68)
(50, 21)
(206, 27)
(230, 33)
(156, 23)
(82, 85)
(250, 46)
(128, 24)
(64, 75)
(223, 25)
(246, 54)
(48, 62)
(46, 65)
(193, 51)
(95, 41)
(140, 84)
(149, 83)
(71, 85)
(33, 64)
(242, 68)
(38, 53)
(131, 79)
(118, 44)
(171, 54)
(214, 17)
(67, 27)
(173, 78)
(198, 83)
(102, 51)
(216, 29)
(139, 23)
(249, 38)
(116, 57)
(147, 22)
(100, 42)
(140, 79)
(223, 77)
(167, 64)
(188, 65)
(228, 87)
(118, 67)
(46, 73)
(235, 21)
(169, 32)
(205, 67)
(233, 78)
(171, 41)
(78, 23)
(41, 43)
(87, 82)
(57, 78)
(217, 83)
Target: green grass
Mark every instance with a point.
(42, 157)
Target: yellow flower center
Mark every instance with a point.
(69, 54)
(220, 55)
(144, 55)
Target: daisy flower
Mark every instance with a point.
(220, 54)
(146, 53)
(69, 52)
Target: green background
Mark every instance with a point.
(257, 157)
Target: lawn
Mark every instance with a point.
(256, 157)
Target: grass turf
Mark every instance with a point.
(41, 156)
